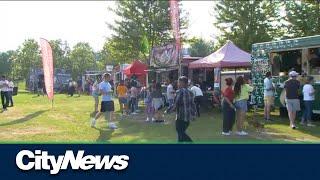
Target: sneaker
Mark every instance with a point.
(134, 113)
(93, 123)
(226, 133)
(311, 125)
(294, 127)
(241, 133)
(112, 126)
(147, 120)
(153, 119)
(244, 133)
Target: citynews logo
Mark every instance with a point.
(40, 160)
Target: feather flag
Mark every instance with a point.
(47, 61)
(175, 23)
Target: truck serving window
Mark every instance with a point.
(314, 61)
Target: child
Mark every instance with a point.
(148, 103)
(122, 95)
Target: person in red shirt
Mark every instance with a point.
(228, 109)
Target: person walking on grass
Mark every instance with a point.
(11, 86)
(268, 95)
(148, 104)
(185, 109)
(197, 92)
(96, 94)
(4, 87)
(242, 91)
(228, 109)
(308, 99)
(157, 103)
(170, 95)
(107, 104)
(122, 95)
(134, 92)
(292, 87)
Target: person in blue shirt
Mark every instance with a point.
(107, 104)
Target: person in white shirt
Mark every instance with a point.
(4, 86)
(170, 96)
(197, 92)
(308, 99)
(11, 86)
(268, 89)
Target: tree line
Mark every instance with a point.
(18, 63)
(142, 25)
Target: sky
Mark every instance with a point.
(80, 21)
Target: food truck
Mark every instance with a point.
(280, 57)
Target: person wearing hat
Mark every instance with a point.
(308, 99)
(292, 86)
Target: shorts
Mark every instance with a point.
(123, 100)
(293, 105)
(107, 106)
(157, 103)
(268, 100)
(241, 105)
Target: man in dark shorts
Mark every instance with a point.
(107, 104)
(292, 97)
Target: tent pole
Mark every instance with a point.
(205, 74)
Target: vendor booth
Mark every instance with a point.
(137, 69)
(280, 57)
(228, 57)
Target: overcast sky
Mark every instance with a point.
(79, 21)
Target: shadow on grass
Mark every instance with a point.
(313, 131)
(105, 135)
(24, 119)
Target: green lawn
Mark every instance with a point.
(32, 120)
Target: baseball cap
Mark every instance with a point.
(293, 74)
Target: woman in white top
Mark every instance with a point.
(308, 99)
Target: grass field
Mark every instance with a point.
(32, 120)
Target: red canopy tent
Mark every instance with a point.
(138, 69)
(228, 56)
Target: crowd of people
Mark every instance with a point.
(6, 88)
(129, 92)
(184, 98)
(234, 104)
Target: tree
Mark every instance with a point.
(5, 63)
(28, 57)
(200, 47)
(303, 18)
(247, 22)
(142, 25)
(82, 58)
(60, 53)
